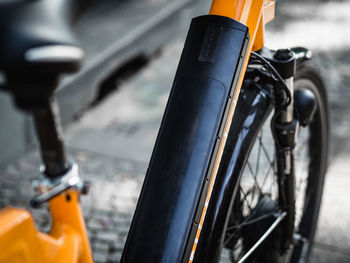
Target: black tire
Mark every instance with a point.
(246, 221)
(307, 77)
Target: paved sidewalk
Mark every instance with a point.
(112, 142)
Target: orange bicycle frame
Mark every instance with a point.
(67, 240)
(252, 13)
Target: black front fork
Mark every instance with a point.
(284, 127)
(285, 141)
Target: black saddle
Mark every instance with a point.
(37, 44)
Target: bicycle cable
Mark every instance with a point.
(257, 58)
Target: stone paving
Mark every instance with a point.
(112, 142)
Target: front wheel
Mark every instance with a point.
(310, 163)
(250, 175)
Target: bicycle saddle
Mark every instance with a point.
(36, 46)
(36, 35)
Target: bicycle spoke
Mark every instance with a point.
(245, 223)
(265, 177)
(254, 176)
(256, 183)
(266, 154)
(245, 198)
(258, 157)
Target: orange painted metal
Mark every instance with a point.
(268, 15)
(19, 242)
(252, 14)
(67, 241)
(66, 212)
(269, 10)
(248, 12)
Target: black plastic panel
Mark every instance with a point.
(186, 141)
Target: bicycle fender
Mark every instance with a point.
(253, 108)
(172, 196)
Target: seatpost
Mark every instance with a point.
(60, 174)
(49, 132)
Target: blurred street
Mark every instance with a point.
(112, 141)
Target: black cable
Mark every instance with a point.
(257, 58)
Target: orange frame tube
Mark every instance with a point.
(67, 241)
(254, 14)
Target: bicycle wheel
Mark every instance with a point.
(254, 204)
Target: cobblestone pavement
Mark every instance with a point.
(112, 142)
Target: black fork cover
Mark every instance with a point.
(171, 199)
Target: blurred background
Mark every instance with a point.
(112, 109)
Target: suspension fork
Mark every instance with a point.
(284, 127)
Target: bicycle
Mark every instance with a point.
(205, 188)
